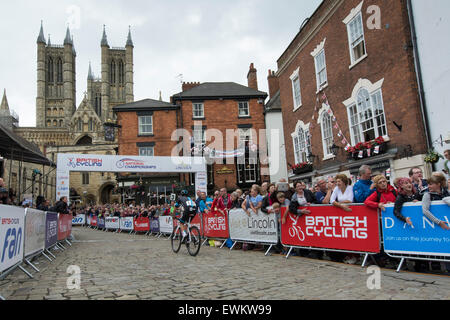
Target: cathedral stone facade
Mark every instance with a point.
(61, 127)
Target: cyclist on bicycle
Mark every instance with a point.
(188, 208)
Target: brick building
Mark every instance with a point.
(346, 79)
(225, 117)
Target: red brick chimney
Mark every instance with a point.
(274, 84)
(189, 85)
(252, 78)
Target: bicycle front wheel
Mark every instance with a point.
(194, 242)
(175, 239)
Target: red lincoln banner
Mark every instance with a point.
(333, 228)
(215, 225)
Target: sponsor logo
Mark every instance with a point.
(337, 227)
(129, 163)
(11, 243)
(85, 162)
(77, 220)
(183, 166)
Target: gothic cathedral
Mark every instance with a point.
(61, 127)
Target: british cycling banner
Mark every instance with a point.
(423, 238)
(141, 224)
(333, 228)
(259, 227)
(215, 225)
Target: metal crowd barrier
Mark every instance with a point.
(26, 234)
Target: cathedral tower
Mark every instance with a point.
(117, 75)
(56, 84)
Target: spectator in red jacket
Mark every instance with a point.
(224, 201)
(384, 194)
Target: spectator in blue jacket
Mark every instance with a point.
(364, 187)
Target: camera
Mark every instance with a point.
(283, 186)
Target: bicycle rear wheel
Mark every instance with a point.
(175, 239)
(194, 242)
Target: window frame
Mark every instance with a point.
(352, 103)
(85, 178)
(327, 152)
(140, 125)
(316, 53)
(295, 77)
(194, 110)
(241, 106)
(195, 136)
(355, 13)
(301, 155)
(152, 148)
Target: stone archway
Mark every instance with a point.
(90, 199)
(105, 193)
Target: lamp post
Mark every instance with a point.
(334, 148)
(311, 158)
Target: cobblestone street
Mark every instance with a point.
(124, 267)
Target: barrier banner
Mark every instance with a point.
(101, 223)
(112, 223)
(154, 225)
(34, 231)
(94, 221)
(259, 227)
(141, 224)
(126, 223)
(215, 225)
(12, 224)
(88, 220)
(424, 238)
(51, 229)
(166, 224)
(64, 226)
(333, 228)
(197, 221)
(79, 220)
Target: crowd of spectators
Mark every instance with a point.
(373, 191)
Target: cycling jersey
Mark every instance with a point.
(188, 208)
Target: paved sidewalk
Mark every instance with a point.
(129, 267)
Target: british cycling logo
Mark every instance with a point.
(129, 163)
(84, 162)
(72, 163)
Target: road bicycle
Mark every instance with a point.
(192, 240)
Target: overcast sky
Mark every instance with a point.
(204, 40)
